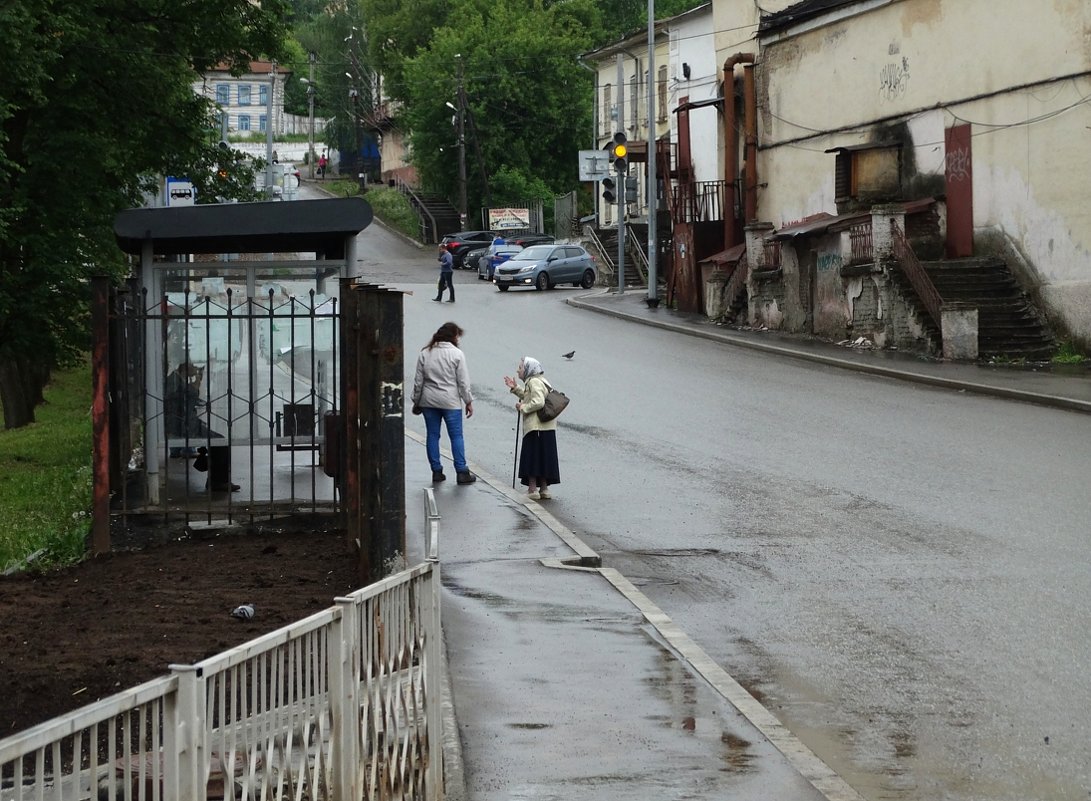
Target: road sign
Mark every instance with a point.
(180, 192)
(594, 165)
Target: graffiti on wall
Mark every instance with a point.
(829, 261)
(958, 164)
(894, 80)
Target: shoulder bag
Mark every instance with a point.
(555, 403)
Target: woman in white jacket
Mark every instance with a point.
(440, 388)
(538, 464)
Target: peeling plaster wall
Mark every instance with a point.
(905, 64)
(878, 311)
(766, 303)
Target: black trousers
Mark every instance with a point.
(446, 280)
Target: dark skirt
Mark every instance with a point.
(539, 458)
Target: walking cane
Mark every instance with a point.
(515, 463)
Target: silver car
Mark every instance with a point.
(545, 266)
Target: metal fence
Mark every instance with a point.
(228, 418)
(344, 704)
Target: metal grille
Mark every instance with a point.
(229, 418)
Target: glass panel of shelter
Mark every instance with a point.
(249, 373)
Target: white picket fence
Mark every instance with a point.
(344, 704)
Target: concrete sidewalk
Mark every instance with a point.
(565, 681)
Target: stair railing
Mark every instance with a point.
(603, 254)
(736, 284)
(638, 257)
(422, 211)
(907, 260)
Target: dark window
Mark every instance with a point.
(867, 174)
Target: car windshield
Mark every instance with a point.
(533, 253)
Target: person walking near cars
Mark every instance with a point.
(446, 274)
(539, 467)
(441, 387)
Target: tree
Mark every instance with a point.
(96, 102)
(528, 99)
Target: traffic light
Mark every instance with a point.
(630, 189)
(609, 185)
(619, 152)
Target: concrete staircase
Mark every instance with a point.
(1009, 326)
(608, 238)
(430, 207)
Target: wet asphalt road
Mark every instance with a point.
(900, 574)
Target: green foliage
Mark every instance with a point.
(394, 209)
(45, 476)
(1067, 353)
(96, 101)
(528, 99)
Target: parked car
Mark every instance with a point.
(472, 257)
(526, 240)
(494, 257)
(461, 245)
(545, 266)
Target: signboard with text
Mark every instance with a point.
(509, 219)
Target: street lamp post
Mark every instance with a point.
(312, 57)
(653, 278)
(461, 159)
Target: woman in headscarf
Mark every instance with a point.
(538, 465)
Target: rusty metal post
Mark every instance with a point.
(368, 464)
(390, 404)
(100, 415)
(350, 399)
(751, 141)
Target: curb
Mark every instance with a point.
(1006, 393)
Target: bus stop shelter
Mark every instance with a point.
(233, 376)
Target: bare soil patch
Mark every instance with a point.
(72, 636)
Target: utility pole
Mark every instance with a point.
(462, 205)
(312, 57)
(621, 178)
(653, 279)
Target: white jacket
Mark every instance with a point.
(442, 380)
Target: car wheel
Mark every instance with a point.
(588, 279)
(543, 282)
(503, 287)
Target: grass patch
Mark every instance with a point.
(45, 476)
(389, 205)
(1067, 354)
(342, 187)
(393, 208)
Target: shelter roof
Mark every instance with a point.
(307, 226)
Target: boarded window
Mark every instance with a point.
(867, 174)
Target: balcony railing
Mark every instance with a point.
(772, 255)
(861, 250)
(699, 202)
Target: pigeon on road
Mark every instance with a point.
(569, 355)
